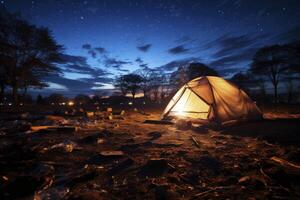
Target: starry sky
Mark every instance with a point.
(106, 38)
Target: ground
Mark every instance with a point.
(118, 156)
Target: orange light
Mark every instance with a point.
(71, 103)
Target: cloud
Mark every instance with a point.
(115, 63)
(183, 39)
(101, 50)
(234, 51)
(228, 45)
(144, 48)
(178, 50)
(141, 63)
(80, 60)
(86, 46)
(234, 59)
(92, 53)
(144, 65)
(229, 71)
(173, 65)
(73, 86)
(139, 60)
(78, 64)
(110, 62)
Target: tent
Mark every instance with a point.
(211, 98)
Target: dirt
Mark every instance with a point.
(121, 157)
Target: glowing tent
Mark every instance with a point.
(211, 98)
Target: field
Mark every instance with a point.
(118, 156)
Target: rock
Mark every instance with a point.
(155, 168)
(91, 139)
(24, 185)
(294, 155)
(112, 153)
(88, 195)
(120, 167)
(67, 146)
(154, 135)
(51, 193)
(183, 124)
(75, 178)
(105, 157)
(16, 126)
(206, 162)
(163, 192)
(252, 182)
(54, 129)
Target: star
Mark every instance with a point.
(82, 17)
(2, 2)
(221, 12)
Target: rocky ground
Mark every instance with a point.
(118, 156)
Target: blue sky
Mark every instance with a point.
(106, 38)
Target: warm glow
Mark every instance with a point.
(71, 103)
(180, 113)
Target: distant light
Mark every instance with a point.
(63, 103)
(21, 104)
(144, 102)
(52, 104)
(9, 104)
(130, 103)
(71, 103)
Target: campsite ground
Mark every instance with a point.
(120, 157)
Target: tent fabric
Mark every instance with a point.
(211, 98)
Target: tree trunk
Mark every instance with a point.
(15, 93)
(276, 92)
(25, 91)
(2, 89)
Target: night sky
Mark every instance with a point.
(103, 39)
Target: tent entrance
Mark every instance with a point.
(190, 105)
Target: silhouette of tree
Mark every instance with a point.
(243, 80)
(273, 62)
(3, 82)
(195, 70)
(39, 100)
(82, 99)
(56, 99)
(27, 53)
(129, 83)
(186, 73)
(145, 75)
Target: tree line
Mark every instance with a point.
(270, 65)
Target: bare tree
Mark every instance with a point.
(129, 83)
(145, 75)
(273, 62)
